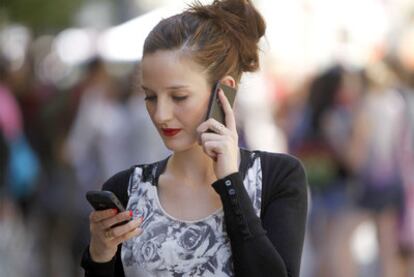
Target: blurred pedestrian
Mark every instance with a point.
(404, 68)
(19, 176)
(319, 139)
(375, 158)
(21, 165)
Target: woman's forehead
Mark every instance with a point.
(170, 60)
(169, 68)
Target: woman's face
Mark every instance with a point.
(177, 95)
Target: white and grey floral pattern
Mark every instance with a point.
(253, 183)
(171, 247)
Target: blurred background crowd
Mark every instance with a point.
(336, 89)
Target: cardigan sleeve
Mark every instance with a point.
(118, 184)
(272, 244)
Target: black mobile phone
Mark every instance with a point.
(215, 109)
(103, 200)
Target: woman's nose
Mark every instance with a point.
(163, 112)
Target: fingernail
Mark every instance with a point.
(130, 213)
(114, 211)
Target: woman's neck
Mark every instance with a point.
(191, 165)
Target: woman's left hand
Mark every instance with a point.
(222, 145)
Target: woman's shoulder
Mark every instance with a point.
(282, 174)
(276, 161)
(119, 182)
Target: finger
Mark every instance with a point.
(213, 125)
(107, 223)
(127, 236)
(204, 134)
(210, 137)
(207, 150)
(212, 148)
(97, 216)
(109, 234)
(126, 228)
(203, 126)
(228, 111)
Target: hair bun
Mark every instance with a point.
(251, 22)
(241, 23)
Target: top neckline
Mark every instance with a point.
(162, 164)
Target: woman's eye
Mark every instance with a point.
(179, 98)
(150, 98)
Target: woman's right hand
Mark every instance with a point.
(104, 239)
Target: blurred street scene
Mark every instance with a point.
(336, 89)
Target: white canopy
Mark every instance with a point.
(125, 42)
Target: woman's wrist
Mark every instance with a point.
(95, 268)
(227, 173)
(97, 257)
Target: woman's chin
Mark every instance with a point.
(180, 146)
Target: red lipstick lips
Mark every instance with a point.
(170, 132)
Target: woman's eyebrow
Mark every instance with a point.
(145, 88)
(177, 87)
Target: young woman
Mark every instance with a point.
(210, 208)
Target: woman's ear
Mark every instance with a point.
(228, 81)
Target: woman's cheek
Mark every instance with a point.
(150, 110)
(193, 112)
(201, 109)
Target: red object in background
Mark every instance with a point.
(10, 115)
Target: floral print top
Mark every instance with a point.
(173, 247)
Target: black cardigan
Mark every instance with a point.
(267, 246)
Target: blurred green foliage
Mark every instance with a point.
(41, 15)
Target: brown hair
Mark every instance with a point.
(222, 36)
